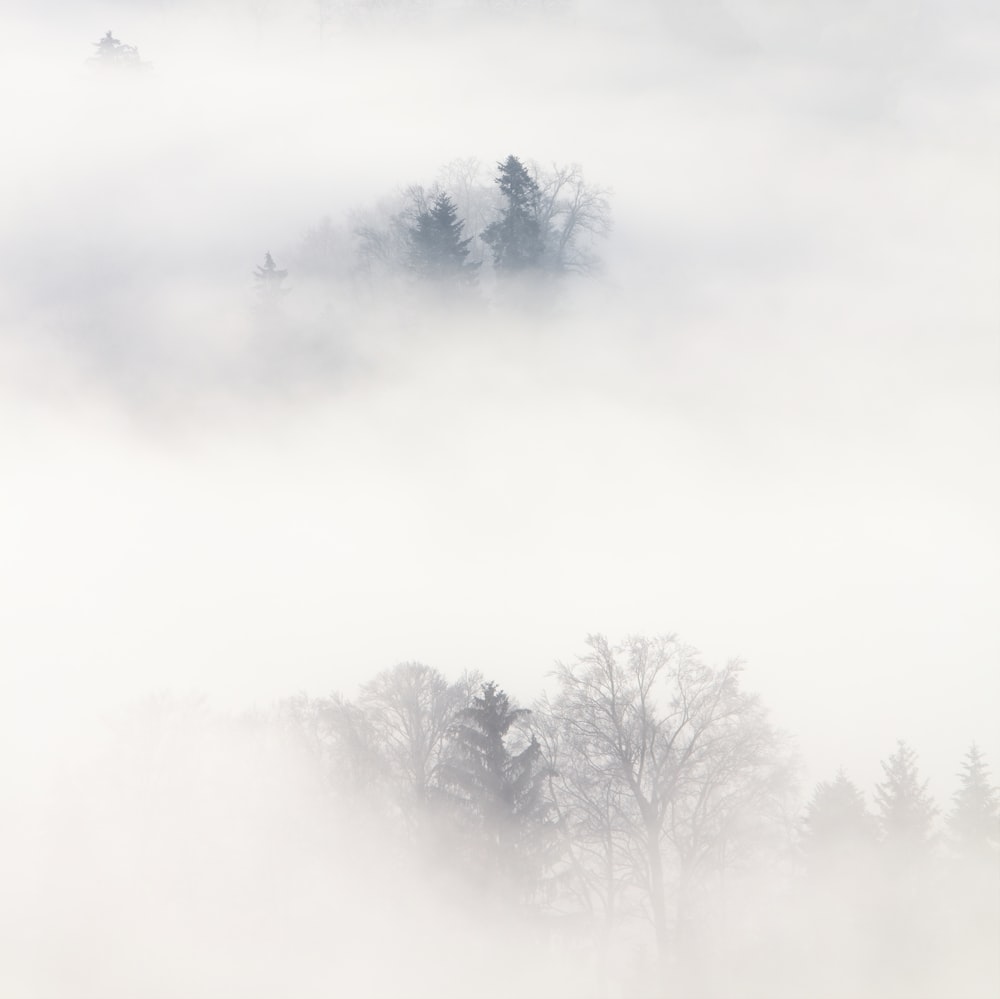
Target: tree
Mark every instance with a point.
(353, 764)
(549, 220)
(113, 54)
(838, 830)
(665, 753)
(974, 819)
(517, 238)
(572, 214)
(437, 249)
(411, 710)
(905, 810)
(501, 788)
(269, 280)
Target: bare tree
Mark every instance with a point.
(662, 758)
(573, 214)
(411, 710)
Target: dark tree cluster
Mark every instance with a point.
(463, 238)
(459, 244)
(645, 804)
(646, 777)
(639, 791)
(114, 54)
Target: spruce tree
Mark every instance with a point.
(974, 820)
(517, 238)
(838, 829)
(437, 251)
(501, 790)
(269, 280)
(112, 53)
(905, 810)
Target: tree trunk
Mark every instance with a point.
(657, 898)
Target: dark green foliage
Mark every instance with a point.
(905, 810)
(437, 250)
(517, 238)
(974, 821)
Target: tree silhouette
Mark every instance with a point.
(974, 820)
(437, 249)
(905, 810)
(516, 239)
(501, 789)
(112, 53)
(269, 280)
(838, 829)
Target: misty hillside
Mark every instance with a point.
(361, 358)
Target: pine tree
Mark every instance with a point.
(501, 790)
(269, 280)
(437, 250)
(905, 810)
(974, 821)
(113, 54)
(838, 828)
(517, 238)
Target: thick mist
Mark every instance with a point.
(766, 422)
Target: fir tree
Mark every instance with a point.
(838, 828)
(974, 820)
(269, 280)
(517, 238)
(114, 54)
(437, 250)
(501, 790)
(905, 810)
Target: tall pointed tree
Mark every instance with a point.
(502, 789)
(517, 237)
(838, 830)
(905, 809)
(437, 249)
(974, 820)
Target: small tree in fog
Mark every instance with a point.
(548, 220)
(974, 820)
(838, 830)
(437, 250)
(905, 809)
(270, 279)
(502, 789)
(113, 54)
(516, 238)
(571, 214)
(411, 710)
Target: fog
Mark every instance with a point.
(768, 423)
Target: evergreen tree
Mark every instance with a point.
(838, 829)
(974, 821)
(269, 280)
(437, 250)
(905, 810)
(501, 790)
(517, 238)
(113, 54)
